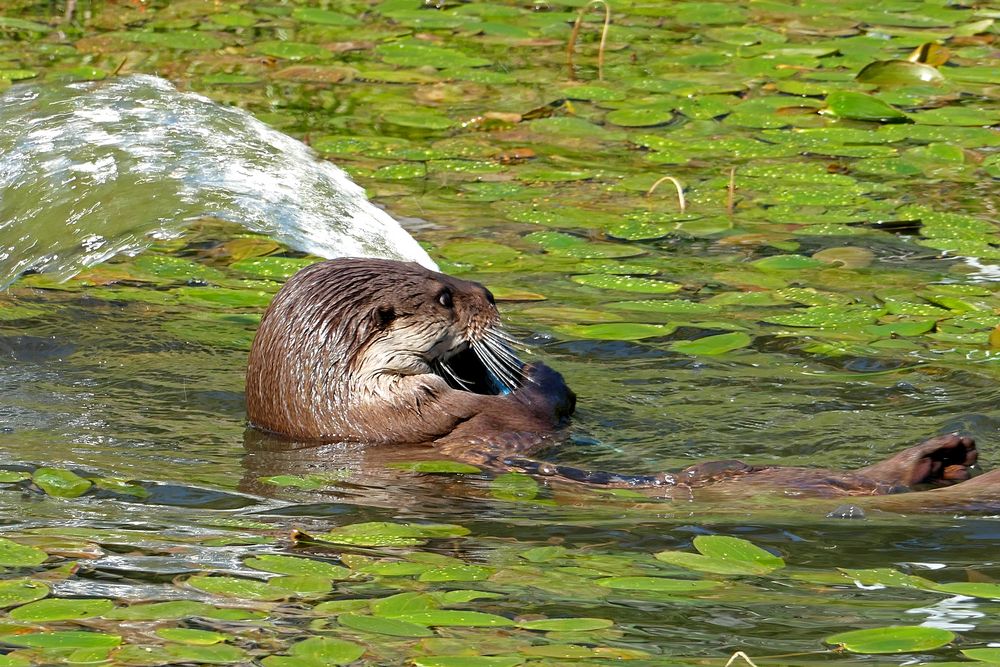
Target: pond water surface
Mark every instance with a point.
(842, 297)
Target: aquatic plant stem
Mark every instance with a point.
(731, 192)
(681, 202)
(742, 656)
(571, 44)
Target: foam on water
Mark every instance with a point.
(90, 170)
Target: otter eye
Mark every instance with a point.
(384, 315)
(489, 297)
(444, 298)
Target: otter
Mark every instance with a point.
(381, 352)
(384, 352)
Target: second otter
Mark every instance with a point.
(383, 352)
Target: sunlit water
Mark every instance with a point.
(91, 170)
(114, 387)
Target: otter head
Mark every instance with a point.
(424, 322)
(340, 333)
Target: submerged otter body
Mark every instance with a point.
(381, 352)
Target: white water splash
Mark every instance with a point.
(90, 170)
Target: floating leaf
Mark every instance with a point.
(641, 116)
(514, 486)
(292, 50)
(67, 639)
(827, 317)
(438, 467)
(658, 584)
(60, 483)
(191, 636)
(297, 566)
(273, 268)
(457, 619)
(991, 655)
(384, 626)
(323, 16)
(627, 283)
(710, 345)
(849, 257)
(415, 54)
(61, 610)
(380, 534)
(899, 73)
(858, 106)
(892, 639)
(973, 589)
(617, 330)
(468, 661)
(19, 591)
(278, 588)
(218, 654)
(566, 624)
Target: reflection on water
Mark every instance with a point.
(91, 170)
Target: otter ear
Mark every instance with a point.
(383, 316)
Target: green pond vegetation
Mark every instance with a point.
(786, 207)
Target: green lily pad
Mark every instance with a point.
(566, 624)
(858, 106)
(616, 330)
(66, 639)
(60, 483)
(61, 610)
(828, 317)
(737, 550)
(293, 565)
(216, 654)
(415, 54)
(468, 661)
(192, 636)
(176, 609)
(979, 590)
(641, 116)
(456, 619)
(381, 534)
(658, 584)
(991, 655)
(666, 306)
(177, 39)
(899, 73)
(438, 467)
(787, 263)
(20, 591)
(177, 268)
(711, 345)
(278, 588)
(892, 639)
(13, 476)
(957, 116)
(514, 487)
(323, 16)
(627, 283)
(292, 50)
(392, 627)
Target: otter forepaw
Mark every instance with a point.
(547, 386)
(943, 460)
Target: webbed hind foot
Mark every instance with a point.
(940, 461)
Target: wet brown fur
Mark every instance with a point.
(326, 362)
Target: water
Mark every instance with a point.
(92, 170)
(143, 379)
